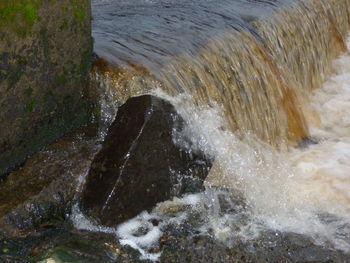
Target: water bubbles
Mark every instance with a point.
(282, 190)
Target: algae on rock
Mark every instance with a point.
(45, 54)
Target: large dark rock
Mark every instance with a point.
(45, 56)
(139, 164)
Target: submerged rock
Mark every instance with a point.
(140, 164)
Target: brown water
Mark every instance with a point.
(253, 79)
(249, 77)
(259, 68)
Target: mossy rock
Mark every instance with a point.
(45, 56)
(78, 251)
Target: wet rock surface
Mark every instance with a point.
(182, 246)
(45, 56)
(139, 164)
(179, 243)
(35, 221)
(57, 244)
(41, 192)
(188, 243)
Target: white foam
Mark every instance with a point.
(191, 199)
(305, 191)
(125, 232)
(299, 190)
(143, 242)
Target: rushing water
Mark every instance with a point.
(297, 189)
(262, 88)
(149, 33)
(258, 68)
(302, 190)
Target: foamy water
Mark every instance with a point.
(304, 191)
(296, 190)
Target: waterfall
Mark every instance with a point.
(251, 93)
(261, 77)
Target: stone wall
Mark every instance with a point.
(45, 55)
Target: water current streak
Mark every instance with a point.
(247, 76)
(257, 65)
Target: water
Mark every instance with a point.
(302, 190)
(255, 71)
(260, 89)
(149, 33)
(264, 86)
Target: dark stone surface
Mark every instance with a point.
(57, 244)
(183, 246)
(185, 243)
(40, 194)
(179, 243)
(45, 56)
(139, 164)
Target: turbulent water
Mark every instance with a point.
(302, 190)
(258, 68)
(263, 90)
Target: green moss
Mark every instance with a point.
(21, 15)
(62, 254)
(30, 14)
(79, 10)
(21, 31)
(7, 14)
(76, 248)
(64, 9)
(60, 80)
(79, 14)
(30, 106)
(64, 25)
(55, 94)
(85, 63)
